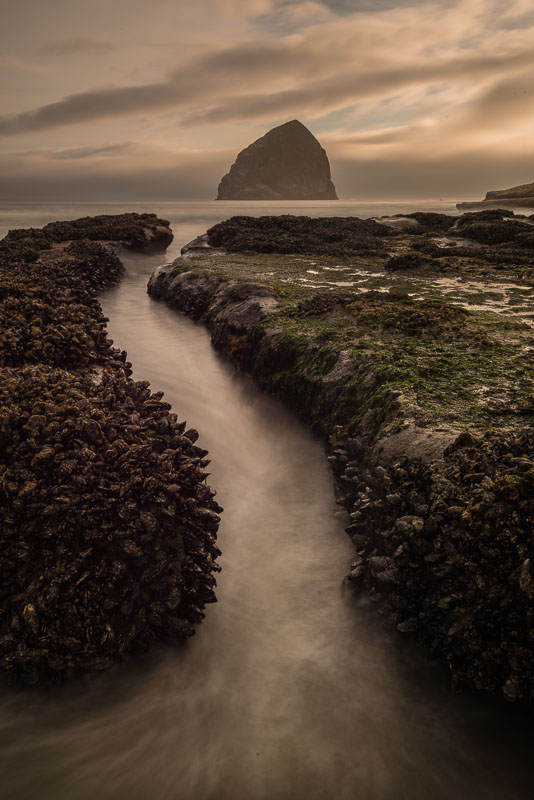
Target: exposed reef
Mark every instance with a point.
(287, 163)
(107, 525)
(289, 234)
(412, 358)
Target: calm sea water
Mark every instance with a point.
(292, 689)
(189, 219)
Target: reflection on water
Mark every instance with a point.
(291, 688)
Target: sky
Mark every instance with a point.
(130, 100)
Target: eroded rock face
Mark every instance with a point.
(288, 163)
(516, 197)
(523, 194)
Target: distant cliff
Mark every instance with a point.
(518, 196)
(288, 163)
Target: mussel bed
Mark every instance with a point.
(107, 526)
(445, 549)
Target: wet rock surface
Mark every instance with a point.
(428, 410)
(289, 234)
(448, 545)
(107, 525)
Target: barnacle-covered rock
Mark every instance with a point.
(290, 234)
(106, 542)
(107, 525)
(452, 540)
(48, 310)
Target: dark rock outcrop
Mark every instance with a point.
(517, 197)
(441, 518)
(287, 234)
(107, 525)
(288, 163)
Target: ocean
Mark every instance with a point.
(189, 219)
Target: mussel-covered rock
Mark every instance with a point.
(453, 541)
(444, 541)
(409, 260)
(48, 310)
(107, 526)
(290, 234)
(144, 232)
(107, 542)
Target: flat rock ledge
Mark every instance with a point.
(107, 526)
(515, 197)
(427, 408)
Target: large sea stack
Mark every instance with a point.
(288, 163)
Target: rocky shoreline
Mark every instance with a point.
(107, 526)
(507, 202)
(423, 390)
(516, 197)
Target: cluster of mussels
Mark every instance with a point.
(495, 235)
(65, 326)
(334, 236)
(107, 525)
(133, 231)
(446, 549)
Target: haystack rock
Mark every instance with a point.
(288, 163)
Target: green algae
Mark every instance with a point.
(451, 365)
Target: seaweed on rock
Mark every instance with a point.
(290, 234)
(444, 535)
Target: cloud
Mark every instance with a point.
(86, 106)
(424, 83)
(77, 44)
(151, 173)
(325, 69)
(91, 152)
(460, 175)
(12, 63)
(141, 171)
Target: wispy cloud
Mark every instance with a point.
(388, 81)
(91, 152)
(77, 44)
(325, 68)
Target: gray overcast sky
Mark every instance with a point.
(152, 99)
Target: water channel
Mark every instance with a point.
(292, 687)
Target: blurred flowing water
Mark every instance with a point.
(292, 688)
